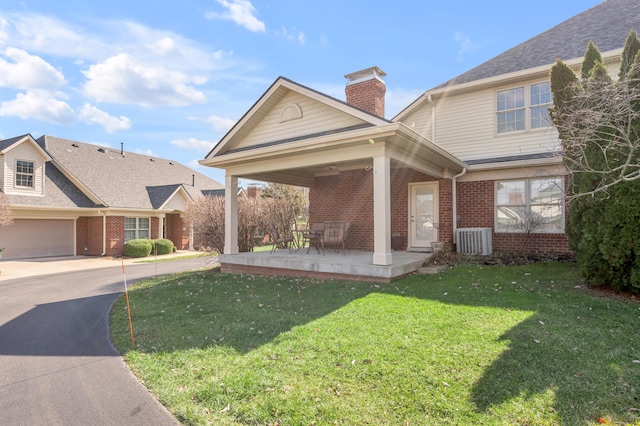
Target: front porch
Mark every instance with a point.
(355, 265)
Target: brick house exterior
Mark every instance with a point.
(477, 152)
(70, 211)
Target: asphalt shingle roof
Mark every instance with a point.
(606, 24)
(126, 180)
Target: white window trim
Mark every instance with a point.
(137, 228)
(527, 205)
(32, 174)
(527, 109)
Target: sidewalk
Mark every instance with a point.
(10, 269)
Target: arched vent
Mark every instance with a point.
(290, 112)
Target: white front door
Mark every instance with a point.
(423, 214)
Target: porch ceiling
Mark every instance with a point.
(300, 162)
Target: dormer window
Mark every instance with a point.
(24, 174)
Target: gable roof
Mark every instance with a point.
(606, 24)
(118, 179)
(8, 144)
(270, 98)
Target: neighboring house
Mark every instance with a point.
(73, 198)
(478, 151)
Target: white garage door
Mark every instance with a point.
(37, 238)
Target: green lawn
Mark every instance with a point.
(495, 345)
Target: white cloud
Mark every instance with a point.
(91, 41)
(92, 115)
(123, 79)
(26, 71)
(465, 44)
(39, 105)
(294, 35)
(219, 124)
(241, 12)
(147, 152)
(192, 143)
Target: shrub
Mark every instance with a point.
(162, 246)
(138, 248)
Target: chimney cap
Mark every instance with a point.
(365, 74)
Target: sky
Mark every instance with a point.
(169, 79)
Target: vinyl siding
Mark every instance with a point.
(466, 127)
(420, 120)
(25, 152)
(316, 118)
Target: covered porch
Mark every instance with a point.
(355, 265)
(360, 169)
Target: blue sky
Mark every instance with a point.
(168, 79)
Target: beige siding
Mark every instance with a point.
(4, 171)
(316, 118)
(25, 152)
(466, 127)
(420, 120)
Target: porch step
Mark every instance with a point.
(432, 270)
(420, 249)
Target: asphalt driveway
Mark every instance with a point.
(57, 364)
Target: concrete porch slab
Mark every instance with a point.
(354, 265)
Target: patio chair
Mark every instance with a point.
(312, 236)
(278, 239)
(335, 235)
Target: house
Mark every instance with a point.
(477, 152)
(74, 198)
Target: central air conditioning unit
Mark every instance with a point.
(474, 241)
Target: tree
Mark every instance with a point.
(281, 206)
(598, 122)
(6, 217)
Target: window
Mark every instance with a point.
(136, 228)
(540, 102)
(511, 108)
(24, 174)
(530, 205)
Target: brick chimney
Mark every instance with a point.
(365, 90)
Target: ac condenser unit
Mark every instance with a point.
(474, 241)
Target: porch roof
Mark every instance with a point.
(299, 160)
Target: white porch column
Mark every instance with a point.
(381, 210)
(231, 215)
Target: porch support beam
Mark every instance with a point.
(231, 214)
(382, 210)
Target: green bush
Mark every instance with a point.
(162, 246)
(138, 248)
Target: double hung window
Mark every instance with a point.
(136, 228)
(530, 205)
(24, 174)
(523, 108)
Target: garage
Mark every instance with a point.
(27, 238)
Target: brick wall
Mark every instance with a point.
(89, 236)
(476, 209)
(367, 95)
(115, 235)
(349, 197)
(177, 231)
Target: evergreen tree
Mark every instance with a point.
(591, 56)
(598, 122)
(629, 54)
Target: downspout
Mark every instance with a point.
(454, 194)
(104, 232)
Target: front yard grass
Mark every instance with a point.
(490, 345)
